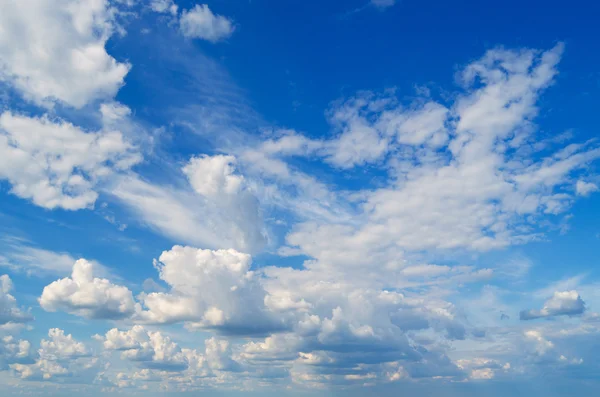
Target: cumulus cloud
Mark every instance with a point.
(59, 357)
(84, 295)
(567, 303)
(9, 311)
(368, 304)
(61, 346)
(209, 290)
(150, 349)
(200, 22)
(56, 164)
(51, 53)
(155, 351)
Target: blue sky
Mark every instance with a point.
(299, 198)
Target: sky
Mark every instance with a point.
(299, 198)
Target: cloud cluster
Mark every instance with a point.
(59, 358)
(372, 296)
(56, 164)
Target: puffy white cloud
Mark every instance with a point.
(61, 346)
(52, 52)
(566, 303)
(9, 311)
(370, 305)
(216, 209)
(209, 290)
(56, 164)
(200, 22)
(153, 350)
(60, 356)
(583, 188)
(84, 295)
(214, 176)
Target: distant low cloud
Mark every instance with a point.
(567, 303)
(382, 4)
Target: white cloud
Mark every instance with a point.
(213, 176)
(164, 6)
(583, 188)
(383, 4)
(155, 351)
(567, 303)
(20, 256)
(50, 52)
(56, 164)
(209, 290)
(215, 208)
(369, 305)
(483, 191)
(84, 295)
(60, 356)
(200, 22)
(113, 112)
(151, 349)
(61, 346)
(9, 311)
(13, 351)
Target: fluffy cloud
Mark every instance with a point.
(154, 351)
(9, 311)
(200, 22)
(56, 164)
(567, 303)
(51, 53)
(13, 351)
(370, 303)
(61, 346)
(84, 295)
(215, 209)
(150, 349)
(59, 357)
(210, 290)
